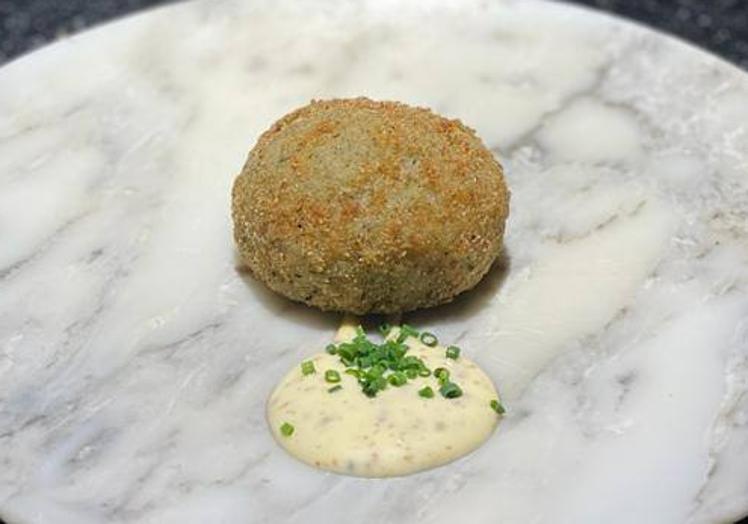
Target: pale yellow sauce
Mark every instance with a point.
(395, 433)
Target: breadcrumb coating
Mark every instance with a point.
(361, 206)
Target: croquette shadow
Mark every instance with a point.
(463, 306)
(470, 302)
(279, 305)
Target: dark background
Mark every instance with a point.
(718, 25)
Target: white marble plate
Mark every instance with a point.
(136, 359)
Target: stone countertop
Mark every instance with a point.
(136, 358)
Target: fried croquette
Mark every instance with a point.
(362, 206)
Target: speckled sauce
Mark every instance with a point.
(395, 433)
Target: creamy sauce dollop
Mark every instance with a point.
(395, 433)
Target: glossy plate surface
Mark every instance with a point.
(136, 360)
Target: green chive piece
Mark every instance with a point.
(347, 350)
(405, 332)
(424, 372)
(384, 329)
(332, 349)
(307, 367)
(286, 429)
(453, 352)
(335, 388)
(442, 375)
(426, 392)
(397, 379)
(497, 407)
(372, 386)
(450, 390)
(429, 339)
(411, 373)
(411, 362)
(353, 372)
(332, 376)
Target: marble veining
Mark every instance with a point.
(137, 357)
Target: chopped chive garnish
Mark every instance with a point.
(450, 390)
(442, 375)
(397, 379)
(286, 429)
(332, 376)
(335, 388)
(426, 392)
(429, 339)
(497, 407)
(379, 366)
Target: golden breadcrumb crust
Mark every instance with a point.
(362, 206)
